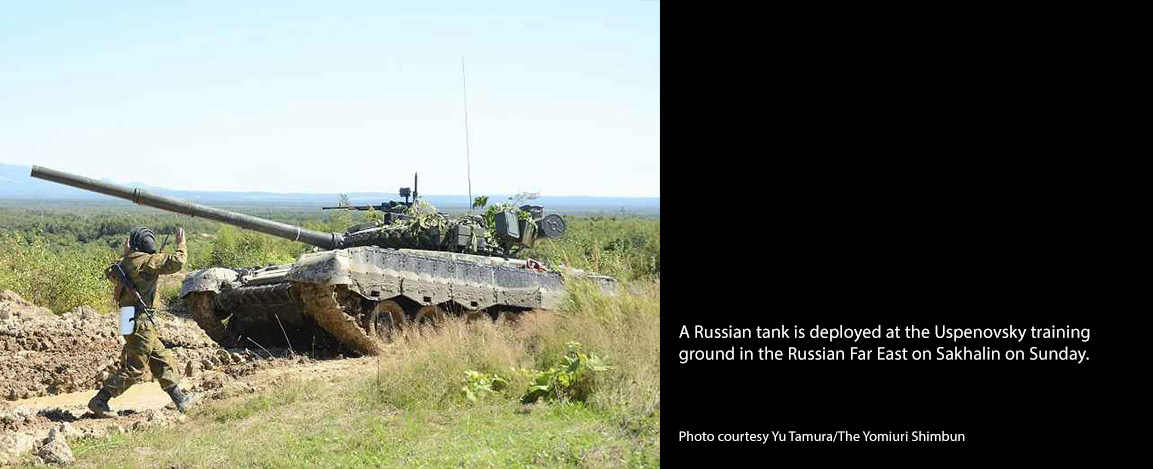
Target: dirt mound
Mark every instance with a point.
(44, 354)
(12, 305)
(52, 364)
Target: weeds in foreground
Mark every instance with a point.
(477, 385)
(574, 379)
(571, 380)
(563, 355)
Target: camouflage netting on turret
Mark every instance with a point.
(426, 228)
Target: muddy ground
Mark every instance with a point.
(44, 354)
(51, 365)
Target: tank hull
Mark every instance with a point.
(359, 296)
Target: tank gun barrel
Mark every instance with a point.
(171, 204)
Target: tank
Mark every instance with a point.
(358, 289)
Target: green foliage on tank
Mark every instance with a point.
(502, 229)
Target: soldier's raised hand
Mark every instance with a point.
(180, 235)
(126, 248)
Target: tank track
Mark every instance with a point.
(350, 319)
(201, 305)
(331, 307)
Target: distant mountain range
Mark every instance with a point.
(15, 183)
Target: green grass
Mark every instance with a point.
(412, 412)
(324, 424)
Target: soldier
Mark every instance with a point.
(142, 349)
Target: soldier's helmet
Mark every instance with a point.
(143, 240)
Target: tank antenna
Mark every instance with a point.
(467, 157)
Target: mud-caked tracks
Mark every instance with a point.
(201, 307)
(331, 308)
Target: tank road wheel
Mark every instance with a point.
(457, 311)
(386, 319)
(429, 315)
(201, 305)
(474, 315)
(504, 315)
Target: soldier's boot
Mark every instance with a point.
(99, 404)
(183, 401)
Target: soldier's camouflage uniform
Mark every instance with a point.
(143, 350)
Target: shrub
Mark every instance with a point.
(169, 297)
(53, 277)
(573, 380)
(477, 384)
(626, 248)
(623, 328)
(238, 248)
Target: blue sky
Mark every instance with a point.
(563, 97)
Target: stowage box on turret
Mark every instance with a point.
(413, 266)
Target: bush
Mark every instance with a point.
(53, 277)
(626, 248)
(478, 385)
(169, 297)
(574, 379)
(236, 248)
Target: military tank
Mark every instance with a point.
(411, 266)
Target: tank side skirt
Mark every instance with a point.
(431, 278)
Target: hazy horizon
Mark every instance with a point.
(7, 177)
